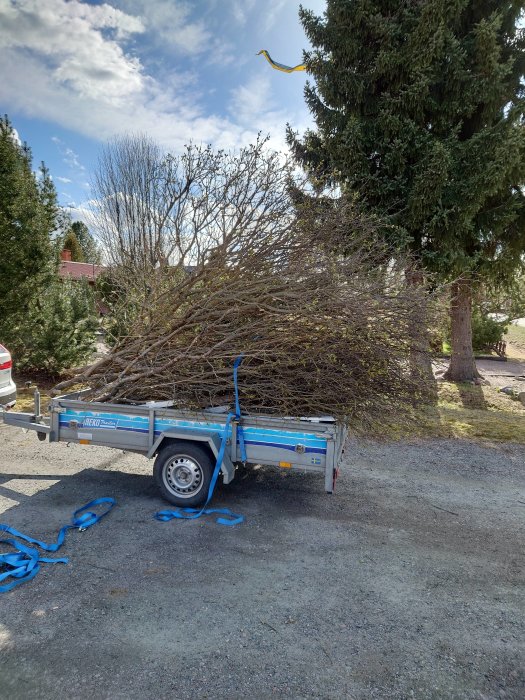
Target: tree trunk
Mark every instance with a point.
(462, 366)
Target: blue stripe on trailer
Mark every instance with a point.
(126, 420)
(278, 438)
(280, 445)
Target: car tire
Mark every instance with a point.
(183, 473)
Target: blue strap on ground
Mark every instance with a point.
(24, 564)
(193, 513)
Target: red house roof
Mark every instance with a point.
(77, 270)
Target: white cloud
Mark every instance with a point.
(253, 98)
(253, 104)
(171, 24)
(69, 63)
(83, 211)
(69, 39)
(71, 159)
(272, 12)
(173, 29)
(65, 180)
(59, 65)
(241, 9)
(16, 136)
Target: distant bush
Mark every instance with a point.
(486, 331)
(127, 298)
(123, 300)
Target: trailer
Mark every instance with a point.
(188, 445)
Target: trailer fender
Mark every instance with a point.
(213, 441)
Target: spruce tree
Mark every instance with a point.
(90, 250)
(47, 323)
(72, 244)
(58, 330)
(27, 219)
(419, 108)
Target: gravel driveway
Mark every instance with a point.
(407, 583)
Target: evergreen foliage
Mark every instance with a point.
(123, 300)
(72, 244)
(90, 250)
(57, 331)
(28, 211)
(507, 304)
(47, 324)
(419, 108)
(486, 331)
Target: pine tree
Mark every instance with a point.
(47, 323)
(72, 244)
(27, 211)
(58, 330)
(90, 250)
(419, 108)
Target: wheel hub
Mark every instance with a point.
(184, 476)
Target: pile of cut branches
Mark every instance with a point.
(325, 321)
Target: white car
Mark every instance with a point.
(7, 385)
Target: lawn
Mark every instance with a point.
(25, 394)
(464, 411)
(515, 339)
(484, 412)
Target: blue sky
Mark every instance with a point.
(73, 74)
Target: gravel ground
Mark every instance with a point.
(407, 583)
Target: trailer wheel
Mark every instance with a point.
(183, 473)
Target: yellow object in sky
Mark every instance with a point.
(280, 66)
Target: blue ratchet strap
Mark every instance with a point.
(193, 513)
(24, 564)
(240, 433)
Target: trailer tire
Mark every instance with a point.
(183, 473)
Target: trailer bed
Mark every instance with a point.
(306, 444)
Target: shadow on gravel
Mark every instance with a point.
(405, 584)
(293, 492)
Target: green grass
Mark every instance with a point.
(25, 395)
(515, 339)
(463, 411)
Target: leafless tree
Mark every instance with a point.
(152, 209)
(158, 215)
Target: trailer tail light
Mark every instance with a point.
(6, 365)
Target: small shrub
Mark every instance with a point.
(58, 330)
(486, 331)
